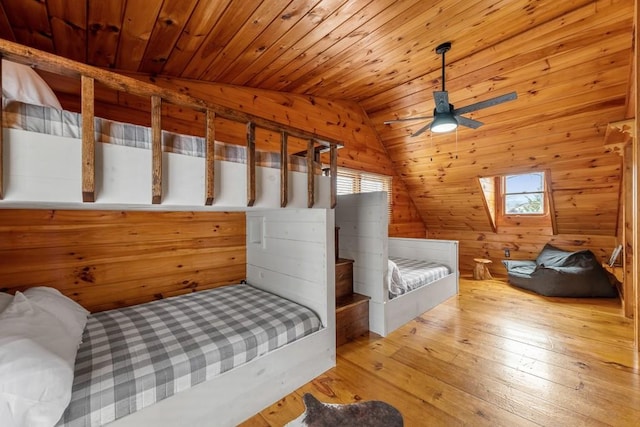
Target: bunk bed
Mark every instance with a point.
(154, 169)
(161, 363)
(404, 277)
(35, 172)
(40, 139)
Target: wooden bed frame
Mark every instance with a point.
(363, 222)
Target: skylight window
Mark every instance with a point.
(524, 194)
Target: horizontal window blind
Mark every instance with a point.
(351, 181)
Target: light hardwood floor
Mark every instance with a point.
(494, 355)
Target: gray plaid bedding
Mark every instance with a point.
(35, 118)
(132, 357)
(417, 273)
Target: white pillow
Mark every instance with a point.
(22, 83)
(395, 282)
(5, 300)
(69, 312)
(37, 357)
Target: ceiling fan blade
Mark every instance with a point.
(488, 103)
(421, 130)
(441, 99)
(388, 122)
(470, 123)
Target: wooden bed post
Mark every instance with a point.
(251, 163)
(156, 149)
(333, 170)
(284, 170)
(88, 141)
(310, 174)
(210, 162)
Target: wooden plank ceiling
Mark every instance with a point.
(569, 62)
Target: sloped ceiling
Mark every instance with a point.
(569, 62)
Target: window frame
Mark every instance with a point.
(543, 193)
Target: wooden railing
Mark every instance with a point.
(89, 75)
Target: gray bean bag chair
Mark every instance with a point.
(558, 273)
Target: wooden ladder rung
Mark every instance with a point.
(284, 170)
(251, 163)
(88, 141)
(210, 162)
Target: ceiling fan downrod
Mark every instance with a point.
(441, 50)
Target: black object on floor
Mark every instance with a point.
(559, 273)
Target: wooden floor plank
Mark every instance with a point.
(414, 409)
(493, 355)
(427, 385)
(582, 374)
(478, 380)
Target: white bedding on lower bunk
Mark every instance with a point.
(363, 222)
(405, 274)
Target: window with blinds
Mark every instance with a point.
(351, 181)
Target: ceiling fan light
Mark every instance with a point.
(443, 123)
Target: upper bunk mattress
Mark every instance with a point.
(51, 121)
(133, 357)
(412, 273)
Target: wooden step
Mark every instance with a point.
(344, 277)
(352, 317)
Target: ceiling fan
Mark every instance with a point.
(447, 118)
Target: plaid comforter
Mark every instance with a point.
(417, 273)
(51, 121)
(131, 358)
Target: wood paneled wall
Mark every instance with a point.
(524, 237)
(523, 243)
(363, 151)
(569, 62)
(342, 120)
(109, 259)
(557, 124)
(405, 219)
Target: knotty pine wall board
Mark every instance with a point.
(109, 259)
(523, 243)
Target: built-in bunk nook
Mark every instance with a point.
(176, 228)
(403, 277)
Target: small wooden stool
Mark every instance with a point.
(481, 271)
